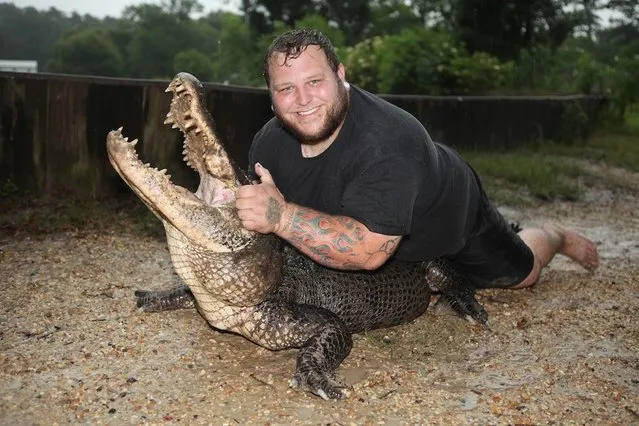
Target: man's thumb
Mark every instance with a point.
(263, 173)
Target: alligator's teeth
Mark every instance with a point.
(163, 171)
(175, 126)
(134, 142)
(147, 164)
(189, 124)
(120, 129)
(126, 138)
(198, 130)
(169, 119)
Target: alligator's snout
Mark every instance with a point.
(207, 242)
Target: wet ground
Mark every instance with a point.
(73, 349)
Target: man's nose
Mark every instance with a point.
(304, 96)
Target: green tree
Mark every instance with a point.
(505, 27)
(89, 52)
(436, 13)
(628, 8)
(390, 17)
(412, 62)
(236, 60)
(194, 62)
(352, 17)
(320, 23)
(159, 33)
(31, 34)
(586, 11)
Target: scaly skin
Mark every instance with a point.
(252, 284)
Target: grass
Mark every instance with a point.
(548, 171)
(545, 176)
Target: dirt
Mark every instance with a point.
(73, 348)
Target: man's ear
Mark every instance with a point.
(341, 72)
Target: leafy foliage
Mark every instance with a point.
(424, 61)
(196, 62)
(391, 46)
(87, 51)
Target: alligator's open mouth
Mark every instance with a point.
(192, 214)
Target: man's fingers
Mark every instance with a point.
(243, 203)
(264, 174)
(249, 225)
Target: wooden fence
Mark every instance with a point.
(53, 127)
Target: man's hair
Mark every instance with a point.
(293, 43)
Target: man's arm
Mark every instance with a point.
(335, 241)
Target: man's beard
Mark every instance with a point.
(334, 119)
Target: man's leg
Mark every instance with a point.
(551, 239)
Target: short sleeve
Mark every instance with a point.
(382, 196)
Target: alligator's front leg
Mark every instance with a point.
(179, 297)
(323, 339)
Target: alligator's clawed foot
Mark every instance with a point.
(165, 300)
(326, 386)
(462, 302)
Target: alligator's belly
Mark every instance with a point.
(241, 279)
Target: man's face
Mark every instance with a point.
(308, 98)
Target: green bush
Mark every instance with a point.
(479, 73)
(423, 61)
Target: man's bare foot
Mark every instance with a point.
(576, 246)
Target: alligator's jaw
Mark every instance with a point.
(207, 218)
(203, 151)
(224, 265)
(213, 227)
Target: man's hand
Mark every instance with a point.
(261, 207)
(335, 241)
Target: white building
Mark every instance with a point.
(18, 66)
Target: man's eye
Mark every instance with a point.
(287, 89)
(314, 82)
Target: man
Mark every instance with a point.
(351, 180)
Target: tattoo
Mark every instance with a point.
(323, 236)
(273, 211)
(389, 246)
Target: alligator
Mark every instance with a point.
(257, 285)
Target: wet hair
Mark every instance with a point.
(293, 43)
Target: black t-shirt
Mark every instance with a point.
(383, 170)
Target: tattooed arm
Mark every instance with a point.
(335, 241)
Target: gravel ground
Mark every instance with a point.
(73, 349)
